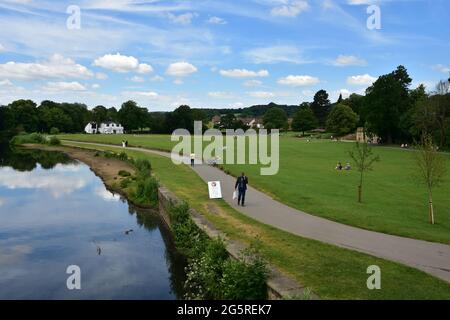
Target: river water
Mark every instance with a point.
(55, 213)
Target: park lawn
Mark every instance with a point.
(329, 271)
(393, 201)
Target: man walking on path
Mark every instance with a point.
(192, 159)
(241, 186)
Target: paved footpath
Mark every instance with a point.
(433, 258)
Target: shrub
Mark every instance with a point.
(125, 183)
(204, 274)
(54, 141)
(54, 131)
(146, 191)
(28, 138)
(124, 173)
(245, 279)
(143, 166)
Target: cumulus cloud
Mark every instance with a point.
(56, 67)
(361, 80)
(137, 79)
(298, 81)
(64, 86)
(122, 64)
(244, 73)
(145, 94)
(290, 8)
(441, 68)
(253, 83)
(221, 95)
(343, 60)
(181, 69)
(184, 19)
(261, 94)
(216, 20)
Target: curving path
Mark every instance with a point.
(433, 258)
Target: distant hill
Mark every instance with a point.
(253, 111)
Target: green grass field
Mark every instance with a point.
(393, 201)
(331, 272)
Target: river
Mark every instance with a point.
(56, 213)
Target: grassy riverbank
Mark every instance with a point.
(393, 202)
(331, 272)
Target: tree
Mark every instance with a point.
(304, 120)
(6, 119)
(276, 118)
(342, 120)
(25, 114)
(385, 103)
(431, 168)
(112, 115)
(364, 159)
(132, 117)
(99, 114)
(340, 99)
(227, 121)
(181, 118)
(321, 106)
(441, 102)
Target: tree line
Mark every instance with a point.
(389, 109)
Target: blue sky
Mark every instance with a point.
(205, 53)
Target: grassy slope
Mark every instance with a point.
(393, 202)
(331, 272)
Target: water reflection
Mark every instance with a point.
(53, 218)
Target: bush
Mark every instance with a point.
(124, 173)
(205, 273)
(245, 279)
(54, 141)
(28, 138)
(146, 191)
(125, 183)
(143, 166)
(54, 131)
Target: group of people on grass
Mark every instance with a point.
(340, 167)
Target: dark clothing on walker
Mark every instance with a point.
(241, 186)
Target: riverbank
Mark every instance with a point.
(331, 272)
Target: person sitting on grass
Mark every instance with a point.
(348, 167)
(339, 166)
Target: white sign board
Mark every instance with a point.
(215, 191)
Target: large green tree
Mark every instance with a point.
(342, 120)
(321, 106)
(387, 100)
(132, 117)
(276, 118)
(25, 114)
(181, 118)
(304, 120)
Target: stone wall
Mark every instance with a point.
(279, 285)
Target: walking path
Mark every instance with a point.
(433, 258)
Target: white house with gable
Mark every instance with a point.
(105, 128)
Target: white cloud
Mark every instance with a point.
(253, 83)
(64, 86)
(184, 19)
(441, 68)
(298, 81)
(2, 48)
(178, 82)
(261, 94)
(137, 79)
(275, 54)
(290, 8)
(361, 80)
(244, 73)
(221, 95)
(216, 20)
(101, 76)
(95, 86)
(146, 94)
(181, 69)
(56, 67)
(157, 79)
(6, 83)
(123, 64)
(343, 60)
